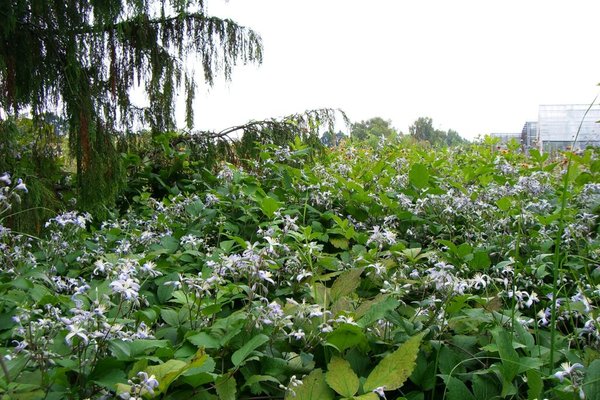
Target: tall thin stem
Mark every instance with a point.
(558, 238)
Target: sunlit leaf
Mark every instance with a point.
(341, 378)
(395, 368)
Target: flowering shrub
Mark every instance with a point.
(389, 273)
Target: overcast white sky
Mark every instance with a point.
(474, 66)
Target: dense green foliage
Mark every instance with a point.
(353, 272)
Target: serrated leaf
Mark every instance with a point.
(313, 387)
(341, 378)
(395, 368)
(367, 396)
(346, 283)
(167, 372)
(339, 243)
(226, 387)
(240, 355)
(378, 310)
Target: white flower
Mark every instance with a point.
(148, 382)
(126, 286)
(176, 284)
(343, 319)
(149, 268)
(76, 331)
(266, 276)
(303, 274)
(211, 199)
(21, 186)
(567, 369)
(531, 298)
(378, 268)
(5, 178)
(479, 281)
(101, 267)
(380, 391)
(298, 335)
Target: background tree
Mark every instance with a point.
(330, 139)
(453, 138)
(422, 129)
(82, 59)
(377, 127)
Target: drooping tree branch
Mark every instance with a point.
(86, 58)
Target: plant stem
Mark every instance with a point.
(558, 238)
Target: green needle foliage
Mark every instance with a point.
(84, 58)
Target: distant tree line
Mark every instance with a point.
(422, 129)
(376, 128)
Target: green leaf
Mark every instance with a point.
(205, 340)
(254, 379)
(170, 244)
(536, 385)
(463, 250)
(525, 337)
(346, 283)
(418, 176)
(122, 350)
(167, 372)
(108, 372)
(226, 387)
(269, 205)
(485, 387)
(240, 355)
(229, 327)
(313, 387)
(395, 368)
(504, 203)
(457, 390)
(339, 243)
(508, 355)
(378, 310)
(171, 317)
(591, 383)
(346, 336)
(341, 378)
(480, 260)
(367, 396)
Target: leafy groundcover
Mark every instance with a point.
(397, 272)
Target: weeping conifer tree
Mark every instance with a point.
(85, 57)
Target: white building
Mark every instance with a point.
(558, 125)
